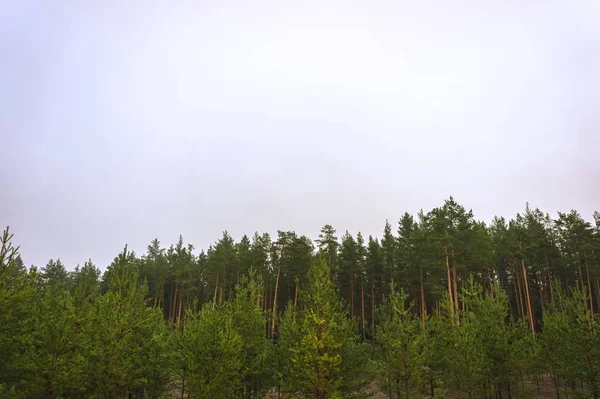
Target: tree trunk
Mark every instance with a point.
(548, 277)
(275, 302)
(362, 305)
(215, 296)
(170, 304)
(423, 305)
(589, 282)
(352, 295)
(161, 299)
(180, 306)
(517, 298)
(174, 305)
(581, 277)
(556, 387)
(267, 321)
(518, 278)
(583, 290)
(373, 310)
(529, 309)
(598, 294)
(449, 278)
(455, 283)
(541, 286)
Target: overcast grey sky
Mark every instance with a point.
(123, 121)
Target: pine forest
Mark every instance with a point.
(440, 305)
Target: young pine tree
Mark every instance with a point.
(325, 358)
(398, 334)
(248, 321)
(572, 339)
(118, 332)
(16, 292)
(211, 353)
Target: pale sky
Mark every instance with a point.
(122, 121)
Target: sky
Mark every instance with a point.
(125, 121)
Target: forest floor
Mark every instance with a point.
(546, 391)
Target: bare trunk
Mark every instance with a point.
(541, 294)
(548, 277)
(267, 321)
(589, 283)
(215, 296)
(180, 306)
(455, 283)
(455, 288)
(529, 309)
(598, 293)
(449, 278)
(362, 305)
(352, 295)
(518, 278)
(170, 304)
(423, 305)
(174, 304)
(161, 299)
(581, 277)
(373, 310)
(275, 302)
(517, 298)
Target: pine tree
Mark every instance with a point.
(348, 269)
(248, 320)
(572, 340)
(119, 322)
(328, 244)
(398, 334)
(389, 252)
(55, 274)
(221, 267)
(49, 364)
(16, 291)
(374, 276)
(211, 353)
(322, 335)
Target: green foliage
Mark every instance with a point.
(55, 274)
(51, 363)
(572, 340)
(319, 336)
(120, 332)
(256, 373)
(16, 290)
(398, 335)
(454, 324)
(211, 351)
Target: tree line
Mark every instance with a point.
(444, 305)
